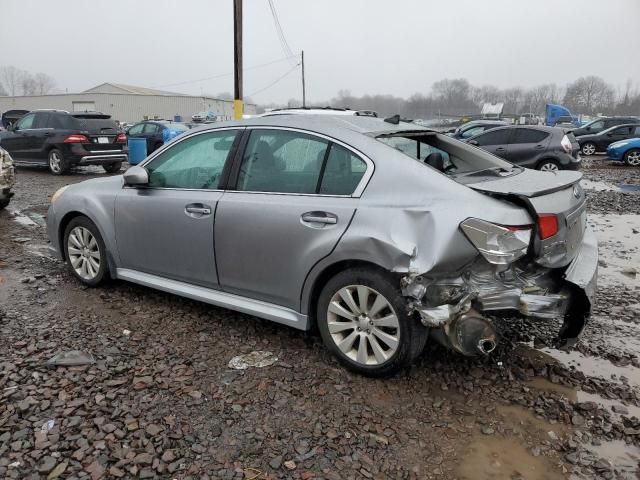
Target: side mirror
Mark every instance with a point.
(473, 142)
(136, 176)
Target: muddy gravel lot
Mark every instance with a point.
(159, 399)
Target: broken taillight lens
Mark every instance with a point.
(547, 225)
(498, 244)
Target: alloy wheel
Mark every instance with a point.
(633, 158)
(83, 252)
(363, 325)
(55, 162)
(549, 167)
(588, 149)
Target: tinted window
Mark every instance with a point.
(26, 121)
(473, 131)
(493, 137)
(528, 135)
(150, 128)
(196, 162)
(96, 125)
(637, 132)
(622, 131)
(136, 129)
(41, 120)
(281, 161)
(59, 121)
(597, 125)
(342, 173)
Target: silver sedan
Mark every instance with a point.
(380, 233)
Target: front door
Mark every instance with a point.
(292, 202)
(17, 141)
(166, 228)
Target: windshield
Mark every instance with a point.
(451, 157)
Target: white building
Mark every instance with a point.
(127, 103)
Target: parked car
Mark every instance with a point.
(603, 123)
(627, 151)
(537, 147)
(203, 117)
(378, 233)
(319, 111)
(61, 140)
(7, 178)
(598, 142)
(156, 132)
(10, 117)
(475, 127)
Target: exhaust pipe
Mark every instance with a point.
(470, 334)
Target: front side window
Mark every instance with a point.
(149, 128)
(637, 132)
(622, 131)
(470, 132)
(26, 122)
(136, 129)
(196, 162)
(493, 137)
(597, 125)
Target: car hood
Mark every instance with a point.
(528, 183)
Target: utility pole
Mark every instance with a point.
(304, 92)
(237, 60)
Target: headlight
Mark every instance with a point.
(58, 193)
(500, 245)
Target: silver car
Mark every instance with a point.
(379, 233)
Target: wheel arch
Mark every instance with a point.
(547, 158)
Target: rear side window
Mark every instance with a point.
(41, 120)
(342, 173)
(60, 122)
(637, 132)
(493, 137)
(528, 135)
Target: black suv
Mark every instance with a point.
(62, 140)
(538, 147)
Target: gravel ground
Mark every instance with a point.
(161, 402)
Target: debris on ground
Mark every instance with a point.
(257, 359)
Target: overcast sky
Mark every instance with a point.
(397, 47)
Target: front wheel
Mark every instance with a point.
(112, 167)
(85, 251)
(632, 157)
(363, 320)
(588, 149)
(57, 163)
(548, 166)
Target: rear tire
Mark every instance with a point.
(588, 149)
(363, 320)
(632, 157)
(112, 167)
(4, 202)
(85, 251)
(548, 166)
(57, 163)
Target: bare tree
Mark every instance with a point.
(27, 84)
(11, 77)
(589, 95)
(43, 83)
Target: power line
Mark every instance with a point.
(220, 75)
(283, 41)
(275, 81)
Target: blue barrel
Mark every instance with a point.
(177, 118)
(137, 150)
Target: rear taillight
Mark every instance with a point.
(566, 144)
(76, 138)
(121, 138)
(547, 225)
(498, 244)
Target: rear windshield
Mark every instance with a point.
(96, 125)
(458, 160)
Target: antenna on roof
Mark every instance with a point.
(394, 119)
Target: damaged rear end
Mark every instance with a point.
(545, 269)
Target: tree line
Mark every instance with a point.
(17, 82)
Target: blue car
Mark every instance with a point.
(156, 132)
(627, 151)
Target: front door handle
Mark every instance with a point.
(197, 209)
(320, 217)
(500, 149)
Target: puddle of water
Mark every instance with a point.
(624, 457)
(619, 248)
(598, 186)
(502, 458)
(629, 187)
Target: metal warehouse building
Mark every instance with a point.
(127, 103)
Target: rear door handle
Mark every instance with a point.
(320, 217)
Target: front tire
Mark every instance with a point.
(363, 320)
(57, 163)
(112, 167)
(632, 157)
(85, 251)
(548, 166)
(588, 149)
(4, 202)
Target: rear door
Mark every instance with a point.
(494, 141)
(293, 195)
(166, 228)
(527, 144)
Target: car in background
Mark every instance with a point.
(475, 127)
(156, 132)
(62, 140)
(319, 111)
(7, 178)
(627, 151)
(598, 142)
(537, 147)
(204, 117)
(351, 225)
(603, 123)
(10, 117)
